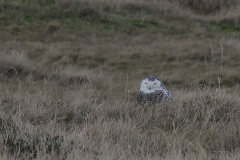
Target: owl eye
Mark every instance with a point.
(155, 83)
(145, 83)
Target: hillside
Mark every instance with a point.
(70, 71)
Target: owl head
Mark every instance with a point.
(151, 84)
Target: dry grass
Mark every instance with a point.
(65, 123)
(70, 71)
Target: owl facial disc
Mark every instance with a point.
(149, 86)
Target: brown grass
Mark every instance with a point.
(70, 71)
(65, 122)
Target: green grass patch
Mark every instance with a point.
(230, 28)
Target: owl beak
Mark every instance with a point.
(150, 88)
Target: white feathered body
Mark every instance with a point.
(152, 91)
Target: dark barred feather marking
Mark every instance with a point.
(152, 79)
(146, 99)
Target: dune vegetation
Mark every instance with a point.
(70, 71)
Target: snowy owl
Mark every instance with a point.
(152, 91)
